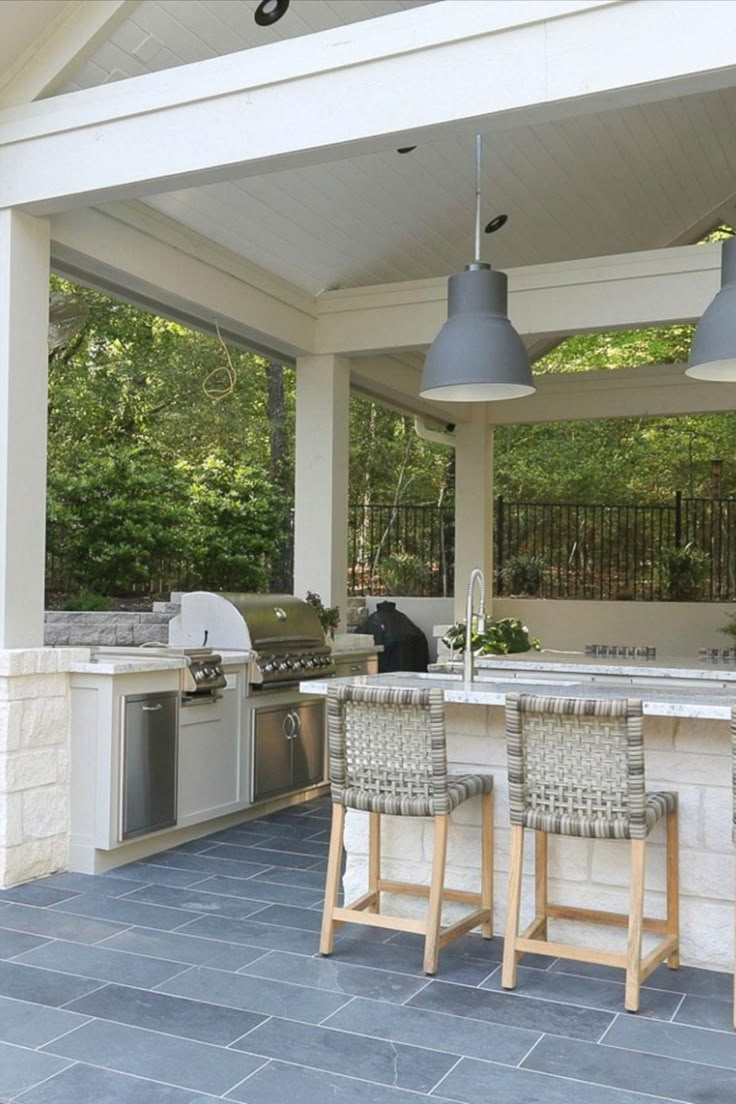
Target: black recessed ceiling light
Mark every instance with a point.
(270, 11)
(496, 223)
(406, 149)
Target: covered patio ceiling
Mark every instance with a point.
(180, 158)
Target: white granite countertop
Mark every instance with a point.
(708, 700)
(669, 667)
(140, 661)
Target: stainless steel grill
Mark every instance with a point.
(283, 631)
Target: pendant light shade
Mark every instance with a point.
(477, 356)
(713, 351)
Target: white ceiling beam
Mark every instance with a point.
(66, 43)
(625, 291)
(653, 390)
(145, 258)
(401, 78)
(395, 383)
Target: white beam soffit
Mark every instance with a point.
(134, 254)
(218, 119)
(649, 391)
(66, 43)
(595, 294)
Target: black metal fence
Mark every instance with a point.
(573, 550)
(403, 549)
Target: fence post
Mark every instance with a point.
(678, 519)
(499, 544)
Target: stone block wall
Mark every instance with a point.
(690, 756)
(35, 706)
(69, 628)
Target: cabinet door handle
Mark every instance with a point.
(288, 727)
(357, 668)
(297, 725)
(152, 708)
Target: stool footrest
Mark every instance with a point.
(570, 951)
(411, 889)
(378, 920)
(597, 916)
(460, 927)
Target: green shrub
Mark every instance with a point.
(505, 636)
(524, 574)
(403, 573)
(87, 601)
(683, 570)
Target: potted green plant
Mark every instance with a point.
(505, 636)
(329, 616)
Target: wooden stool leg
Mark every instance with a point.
(374, 859)
(332, 886)
(434, 917)
(486, 863)
(734, 973)
(673, 886)
(513, 905)
(540, 880)
(636, 917)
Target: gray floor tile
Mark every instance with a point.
(13, 943)
(287, 917)
(483, 1083)
(362, 951)
(704, 1012)
(198, 901)
(36, 893)
(56, 925)
(506, 1008)
(32, 1025)
(123, 911)
(102, 963)
(262, 891)
(690, 979)
(191, 1019)
(175, 861)
(149, 874)
(271, 998)
(292, 845)
(405, 1067)
(272, 858)
(472, 947)
(193, 847)
(175, 947)
(279, 1082)
(693, 1044)
(182, 1062)
(103, 884)
(81, 1084)
(607, 1065)
(336, 976)
(587, 992)
(20, 1069)
(268, 936)
(453, 1034)
(312, 879)
(41, 986)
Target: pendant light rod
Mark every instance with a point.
(478, 164)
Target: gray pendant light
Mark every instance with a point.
(713, 351)
(477, 356)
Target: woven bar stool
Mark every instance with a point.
(576, 768)
(388, 756)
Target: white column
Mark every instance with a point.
(321, 483)
(24, 313)
(473, 504)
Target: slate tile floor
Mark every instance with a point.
(193, 977)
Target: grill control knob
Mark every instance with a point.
(284, 665)
(309, 663)
(268, 668)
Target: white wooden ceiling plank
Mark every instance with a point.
(653, 161)
(202, 21)
(110, 57)
(164, 25)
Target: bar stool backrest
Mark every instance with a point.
(388, 750)
(574, 760)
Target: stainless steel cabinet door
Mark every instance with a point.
(273, 732)
(309, 745)
(149, 763)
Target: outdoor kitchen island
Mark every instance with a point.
(688, 749)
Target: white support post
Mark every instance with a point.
(473, 504)
(24, 315)
(321, 484)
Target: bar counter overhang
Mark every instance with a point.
(687, 708)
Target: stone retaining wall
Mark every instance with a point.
(70, 628)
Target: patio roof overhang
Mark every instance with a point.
(597, 111)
